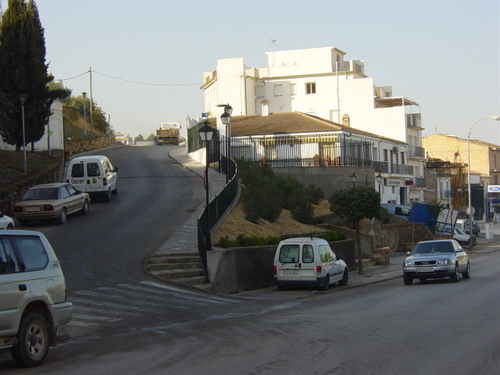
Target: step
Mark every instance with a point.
(181, 258)
(178, 273)
(155, 267)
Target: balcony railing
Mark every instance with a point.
(386, 167)
(413, 120)
(417, 152)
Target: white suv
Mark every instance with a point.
(32, 296)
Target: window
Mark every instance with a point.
(93, 170)
(8, 260)
(386, 155)
(325, 254)
(307, 254)
(311, 88)
(77, 170)
(32, 253)
(289, 254)
(278, 90)
(293, 89)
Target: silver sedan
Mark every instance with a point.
(436, 260)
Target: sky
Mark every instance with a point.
(148, 57)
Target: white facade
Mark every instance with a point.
(320, 82)
(53, 138)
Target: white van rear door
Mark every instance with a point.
(288, 258)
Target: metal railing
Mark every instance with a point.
(216, 209)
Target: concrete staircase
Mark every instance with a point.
(184, 269)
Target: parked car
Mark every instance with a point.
(458, 234)
(436, 260)
(308, 261)
(51, 201)
(93, 174)
(6, 222)
(463, 224)
(32, 296)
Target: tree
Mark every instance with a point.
(139, 138)
(150, 137)
(23, 71)
(98, 115)
(356, 204)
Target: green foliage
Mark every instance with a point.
(98, 115)
(355, 204)
(23, 71)
(264, 194)
(150, 137)
(314, 193)
(244, 241)
(333, 235)
(139, 138)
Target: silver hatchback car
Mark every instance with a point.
(436, 260)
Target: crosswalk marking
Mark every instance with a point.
(108, 305)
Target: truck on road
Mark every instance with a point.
(167, 134)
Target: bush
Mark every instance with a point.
(333, 235)
(244, 241)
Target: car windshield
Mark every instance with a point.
(41, 194)
(433, 247)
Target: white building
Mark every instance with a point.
(318, 81)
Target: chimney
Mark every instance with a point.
(265, 107)
(346, 120)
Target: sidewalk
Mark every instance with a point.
(185, 240)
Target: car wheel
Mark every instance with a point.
(62, 217)
(32, 341)
(466, 274)
(345, 278)
(407, 280)
(326, 285)
(107, 197)
(85, 208)
(10, 226)
(116, 190)
(456, 276)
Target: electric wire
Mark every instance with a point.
(132, 81)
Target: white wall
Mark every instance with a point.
(56, 128)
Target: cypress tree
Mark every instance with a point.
(23, 71)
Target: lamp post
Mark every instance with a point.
(226, 120)
(22, 97)
(379, 179)
(353, 179)
(469, 207)
(84, 94)
(206, 133)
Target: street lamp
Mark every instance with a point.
(469, 208)
(84, 94)
(353, 179)
(226, 120)
(22, 97)
(379, 179)
(206, 133)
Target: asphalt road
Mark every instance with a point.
(126, 323)
(155, 196)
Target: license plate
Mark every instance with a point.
(77, 181)
(292, 272)
(32, 209)
(425, 269)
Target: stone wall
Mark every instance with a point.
(77, 146)
(248, 268)
(11, 194)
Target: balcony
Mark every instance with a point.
(416, 153)
(357, 66)
(386, 167)
(413, 121)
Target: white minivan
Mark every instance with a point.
(308, 261)
(93, 174)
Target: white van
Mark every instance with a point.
(308, 261)
(94, 175)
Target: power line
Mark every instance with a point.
(134, 82)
